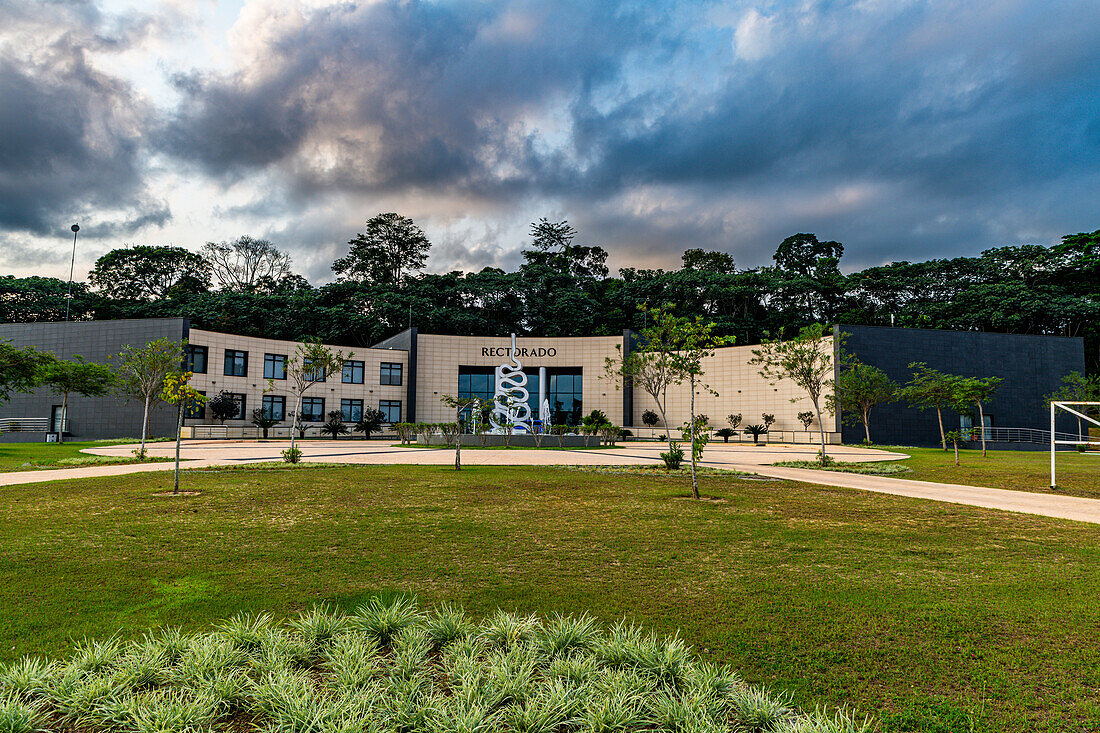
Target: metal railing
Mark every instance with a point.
(209, 432)
(1026, 435)
(29, 425)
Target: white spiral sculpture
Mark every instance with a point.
(510, 408)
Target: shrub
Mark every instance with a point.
(335, 425)
(650, 418)
(393, 667)
(292, 455)
(806, 418)
(673, 458)
(725, 434)
(755, 431)
(734, 420)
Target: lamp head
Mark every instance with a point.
(75, 228)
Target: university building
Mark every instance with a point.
(406, 375)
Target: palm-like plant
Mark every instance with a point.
(335, 425)
(755, 431)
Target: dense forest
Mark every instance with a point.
(565, 289)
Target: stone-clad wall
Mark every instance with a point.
(253, 385)
(90, 418)
(1031, 366)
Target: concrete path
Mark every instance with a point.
(740, 457)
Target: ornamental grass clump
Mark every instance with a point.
(392, 668)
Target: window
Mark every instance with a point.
(239, 399)
(315, 376)
(313, 409)
(353, 372)
(236, 363)
(391, 409)
(565, 396)
(196, 410)
(352, 409)
(196, 359)
(391, 373)
(274, 366)
(274, 407)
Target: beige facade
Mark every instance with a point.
(431, 364)
(254, 385)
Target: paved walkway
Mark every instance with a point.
(741, 457)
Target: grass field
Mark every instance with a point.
(1078, 474)
(32, 456)
(931, 617)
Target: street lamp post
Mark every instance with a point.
(72, 264)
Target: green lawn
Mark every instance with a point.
(1078, 474)
(32, 456)
(931, 617)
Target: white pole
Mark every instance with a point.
(1053, 484)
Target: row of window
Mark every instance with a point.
(236, 365)
(313, 409)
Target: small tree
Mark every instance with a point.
(75, 377)
(370, 421)
(725, 434)
(806, 418)
(222, 406)
(652, 365)
(806, 360)
(179, 392)
(931, 388)
(1076, 387)
(734, 420)
(141, 374)
(650, 418)
(262, 419)
(311, 362)
(21, 369)
(859, 388)
(451, 431)
(971, 391)
(693, 340)
(335, 425)
(769, 420)
(954, 437)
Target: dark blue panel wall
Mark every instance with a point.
(1031, 366)
(91, 418)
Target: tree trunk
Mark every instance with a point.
(866, 415)
(64, 418)
(458, 452)
(664, 418)
(144, 426)
(179, 434)
(981, 426)
(691, 434)
(297, 418)
(943, 436)
(821, 430)
(956, 444)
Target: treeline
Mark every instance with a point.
(564, 289)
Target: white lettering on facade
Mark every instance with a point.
(505, 351)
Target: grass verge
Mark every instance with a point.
(929, 617)
(877, 468)
(33, 456)
(1078, 474)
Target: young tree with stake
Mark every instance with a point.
(310, 364)
(806, 360)
(451, 431)
(141, 374)
(179, 392)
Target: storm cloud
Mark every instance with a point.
(904, 129)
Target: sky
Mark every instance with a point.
(906, 130)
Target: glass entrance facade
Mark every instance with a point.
(563, 391)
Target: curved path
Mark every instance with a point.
(740, 457)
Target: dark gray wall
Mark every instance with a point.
(1031, 366)
(91, 418)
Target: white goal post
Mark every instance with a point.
(1081, 415)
